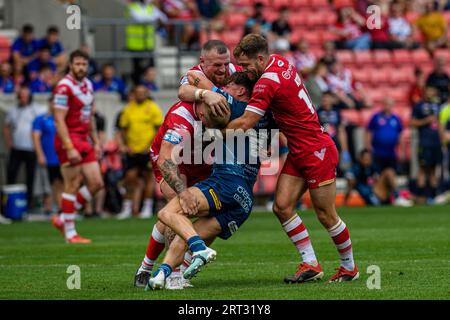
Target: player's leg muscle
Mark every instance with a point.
(289, 189)
(72, 178)
(323, 200)
(93, 176)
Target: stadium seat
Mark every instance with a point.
(346, 57)
(328, 36)
(299, 4)
(342, 3)
(278, 4)
(404, 113)
(402, 75)
(329, 17)
(363, 58)
(445, 53)
(245, 3)
(402, 56)
(412, 16)
(270, 14)
(376, 96)
(298, 19)
(315, 20)
(319, 4)
(382, 57)
(236, 20)
(366, 115)
(361, 75)
(378, 76)
(420, 57)
(398, 94)
(231, 38)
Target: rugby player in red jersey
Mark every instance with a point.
(312, 159)
(215, 66)
(76, 143)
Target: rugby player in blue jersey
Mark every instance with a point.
(225, 199)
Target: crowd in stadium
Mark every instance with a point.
(386, 79)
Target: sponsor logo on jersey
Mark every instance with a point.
(280, 63)
(320, 154)
(60, 100)
(173, 137)
(232, 226)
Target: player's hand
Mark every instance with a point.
(217, 102)
(42, 161)
(74, 156)
(188, 203)
(98, 151)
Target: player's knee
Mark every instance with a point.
(326, 216)
(163, 215)
(283, 212)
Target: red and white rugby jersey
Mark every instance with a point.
(231, 69)
(77, 98)
(281, 88)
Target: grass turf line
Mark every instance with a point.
(410, 245)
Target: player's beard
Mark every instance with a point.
(80, 75)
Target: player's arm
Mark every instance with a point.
(192, 92)
(417, 123)
(36, 137)
(63, 133)
(171, 173)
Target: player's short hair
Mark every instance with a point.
(218, 45)
(27, 28)
(252, 45)
(78, 54)
(52, 29)
(241, 78)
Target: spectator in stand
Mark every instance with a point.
(349, 29)
(329, 56)
(433, 27)
(382, 139)
(351, 94)
(258, 18)
(149, 80)
(303, 59)
(281, 29)
(209, 9)
(92, 68)
(139, 122)
(109, 82)
(380, 35)
(44, 82)
(374, 188)
(51, 40)
(330, 118)
(44, 131)
(439, 79)
(24, 49)
(425, 119)
(140, 37)
(317, 84)
(184, 10)
(417, 88)
(44, 58)
(444, 120)
(6, 79)
(17, 134)
(400, 30)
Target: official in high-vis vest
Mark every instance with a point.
(141, 37)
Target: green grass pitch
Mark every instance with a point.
(410, 245)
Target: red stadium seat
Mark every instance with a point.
(420, 57)
(412, 16)
(4, 43)
(328, 36)
(231, 38)
(236, 20)
(351, 116)
(270, 14)
(361, 75)
(329, 17)
(319, 3)
(295, 36)
(363, 58)
(298, 18)
(342, 3)
(404, 113)
(366, 115)
(402, 75)
(402, 56)
(313, 37)
(278, 4)
(245, 3)
(4, 55)
(314, 20)
(382, 57)
(398, 94)
(376, 96)
(378, 76)
(445, 53)
(346, 57)
(299, 3)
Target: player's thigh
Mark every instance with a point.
(72, 178)
(289, 189)
(92, 174)
(203, 204)
(208, 228)
(323, 199)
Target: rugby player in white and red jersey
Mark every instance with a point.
(312, 159)
(180, 123)
(76, 143)
(215, 66)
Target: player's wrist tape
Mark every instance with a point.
(199, 94)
